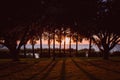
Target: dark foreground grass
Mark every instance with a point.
(80, 68)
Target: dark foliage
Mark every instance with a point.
(21, 20)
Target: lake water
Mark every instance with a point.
(80, 46)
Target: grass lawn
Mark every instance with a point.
(80, 68)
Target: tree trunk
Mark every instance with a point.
(70, 46)
(40, 46)
(33, 50)
(49, 45)
(24, 50)
(54, 46)
(76, 44)
(90, 46)
(14, 50)
(60, 47)
(60, 41)
(64, 43)
(14, 54)
(106, 55)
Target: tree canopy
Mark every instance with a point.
(88, 18)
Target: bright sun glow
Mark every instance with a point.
(67, 40)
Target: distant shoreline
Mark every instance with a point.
(73, 46)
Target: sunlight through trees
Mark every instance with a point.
(61, 22)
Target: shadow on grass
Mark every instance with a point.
(35, 75)
(101, 67)
(63, 73)
(117, 61)
(19, 70)
(49, 70)
(4, 66)
(90, 76)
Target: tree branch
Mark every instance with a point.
(1, 43)
(98, 45)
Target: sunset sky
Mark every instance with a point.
(67, 41)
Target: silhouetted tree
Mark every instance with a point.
(106, 35)
(24, 46)
(64, 34)
(40, 30)
(54, 43)
(10, 40)
(70, 42)
(106, 41)
(40, 38)
(12, 20)
(59, 37)
(69, 35)
(24, 50)
(76, 34)
(33, 38)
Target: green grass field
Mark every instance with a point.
(80, 68)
